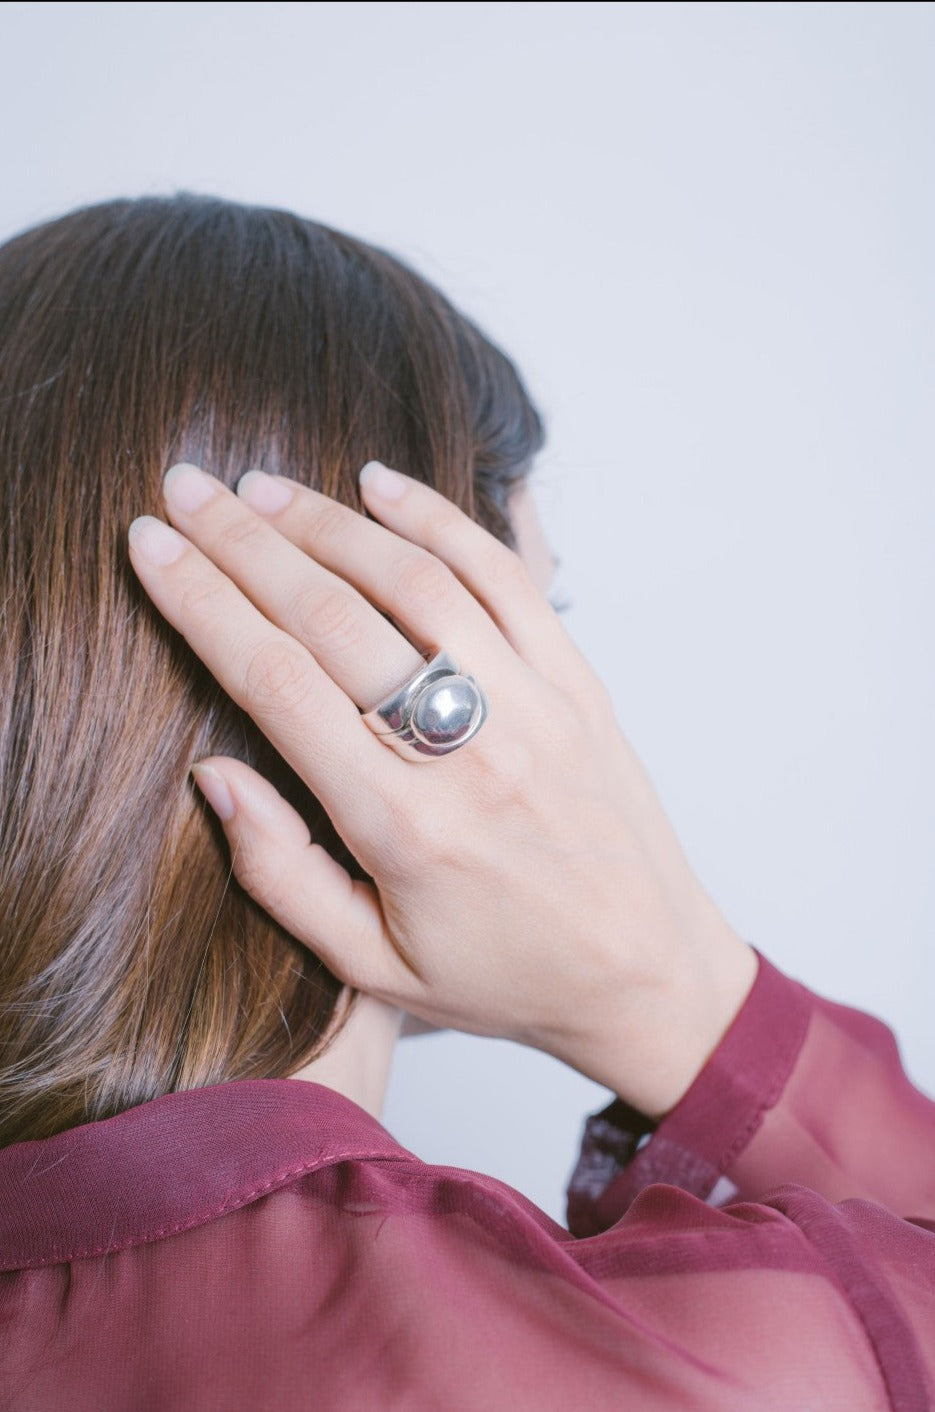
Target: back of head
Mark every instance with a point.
(132, 335)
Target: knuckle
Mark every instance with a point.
(505, 574)
(200, 598)
(507, 766)
(430, 838)
(422, 579)
(328, 616)
(243, 532)
(445, 527)
(329, 524)
(276, 678)
(256, 875)
(251, 874)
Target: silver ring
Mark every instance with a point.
(436, 711)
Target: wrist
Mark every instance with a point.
(698, 1014)
(665, 1027)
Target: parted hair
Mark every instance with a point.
(135, 334)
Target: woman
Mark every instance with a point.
(199, 1207)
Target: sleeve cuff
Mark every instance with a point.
(693, 1147)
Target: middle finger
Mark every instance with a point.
(362, 652)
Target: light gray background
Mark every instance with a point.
(706, 234)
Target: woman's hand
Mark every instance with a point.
(527, 885)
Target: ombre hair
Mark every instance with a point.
(132, 335)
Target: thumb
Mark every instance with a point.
(297, 881)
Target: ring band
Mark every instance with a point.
(435, 712)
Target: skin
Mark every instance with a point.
(358, 1062)
(528, 886)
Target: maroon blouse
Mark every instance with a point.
(268, 1245)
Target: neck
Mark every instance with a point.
(357, 1062)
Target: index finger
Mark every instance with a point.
(311, 722)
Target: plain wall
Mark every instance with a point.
(706, 234)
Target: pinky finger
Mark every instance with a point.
(298, 882)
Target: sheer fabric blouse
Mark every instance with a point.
(268, 1245)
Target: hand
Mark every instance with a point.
(528, 885)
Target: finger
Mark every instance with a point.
(355, 645)
(311, 722)
(493, 572)
(408, 583)
(416, 588)
(299, 884)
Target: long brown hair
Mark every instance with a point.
(134, 334)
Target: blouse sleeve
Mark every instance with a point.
(814, 1158)
(800, 1091)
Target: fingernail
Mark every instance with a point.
(389, 485)
(215, 790)
(187, 488)
(155, 541)
(263, 493)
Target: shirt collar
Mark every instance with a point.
(173, 1163)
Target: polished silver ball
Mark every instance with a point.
(446, 711)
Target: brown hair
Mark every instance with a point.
(132, 335)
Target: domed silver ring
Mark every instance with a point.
(436, 711)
